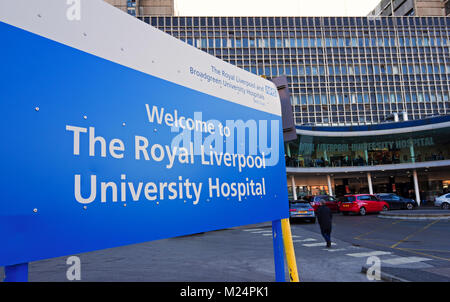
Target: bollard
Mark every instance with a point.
(289, 249)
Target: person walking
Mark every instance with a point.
(324, 218)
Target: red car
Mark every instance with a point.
(362, 204)
(330, 202)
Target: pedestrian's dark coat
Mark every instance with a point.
(324, 217)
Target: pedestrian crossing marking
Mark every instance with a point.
(404, 260)
(312, 243)
(316, 244)
(368, 254)
(261, 232)
(304, 240)
(335, 250)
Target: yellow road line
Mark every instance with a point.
(413, 234)
(380, 229)
(426, 250)
(407, 250)
(423, 254)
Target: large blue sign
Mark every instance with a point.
(97, 155)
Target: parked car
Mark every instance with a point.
(302, 210)
(397, 202)
(443, 201)
(362, 204)
(330, 202)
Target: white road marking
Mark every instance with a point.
(260, 232)
(266, 234)
(404, 260)
(316, 244)
(368, 254)
(251, 230)
(335, 250)
(304, 240)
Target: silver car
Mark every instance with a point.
(302, 210)
(443, 201)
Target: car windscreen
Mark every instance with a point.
(300, 205)
(347, 199)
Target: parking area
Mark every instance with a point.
(413, 241)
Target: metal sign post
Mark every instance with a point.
(278, 251)
(16, 273)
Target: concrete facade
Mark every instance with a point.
(421, 8)
(430, 8)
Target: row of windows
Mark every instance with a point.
(367, 109)
(376, 35)
(306, 33)
(369, 87)
(313, 53)
(315, 42)
(309, 74)
(283, 56)
(343, 53)
(413, 71)
(393, 58)
(354, 120)
(384, 113)
(355, 98)
(334, 59)
(321, 113)
(297, 21)
(356, 70)
(311, 111)
(425, 94)
(373, 90)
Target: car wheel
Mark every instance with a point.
(409, 206)
(362, 211)
(385, 208)
(445, 206)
